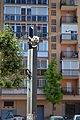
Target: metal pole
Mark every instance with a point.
(32, 81)
(29, 84)
(34, 85)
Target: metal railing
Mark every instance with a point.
(70, 90)
(69, 54)
(70, 72)
(68, 3)
(70, 36)
(26, 18)
(68, 19)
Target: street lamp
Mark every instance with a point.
(32, 66)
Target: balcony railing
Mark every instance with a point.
(69, 54)
(68, 3)
(68, 19)
(19, 91)
(26, 18)
(70, 72)
(70, 90)
(70, 36)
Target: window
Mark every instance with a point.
(23, 11)
(44, 29)
(18, 1)
(28, 11)
(12, 1)
(40, 82)
(7, 17)
(69, 90)
(43, 46)
(21, 45)
(42, 64)
(33, 1)
(41, 72)
(29, 1)
(28, 18)
(24, 63)
(23, 1)
(12, 17)
(53, 5)
(53, 12)
(53, 28)
(25, 46)
(53, 46)
(53, 38)
(45, 19)
(53, 55)
(39, 1)
(33, 18)
(44, 1)
(18, 31)
(53, 22)
(17, 17)
(39, 18)
(8, 104)
(18, 28)
(7, 1)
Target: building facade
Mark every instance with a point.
(64, 44)
(59, 22)
(20, 15)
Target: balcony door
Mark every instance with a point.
(69, 87)
(68, 52)
(68, 18)
(23, 14)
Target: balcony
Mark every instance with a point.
(20, 91)
(69, 24)
(69, 38)
(70, 90)
(69, 55)
(68, 19)
(68, 4)
(70, 72)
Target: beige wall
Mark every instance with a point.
(21, 107)
(47, 107)
(57, 33)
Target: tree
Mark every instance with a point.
(52, 88)
(10, 60)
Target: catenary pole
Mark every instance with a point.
(32, 80)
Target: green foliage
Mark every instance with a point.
(10, 60)
(52, 88)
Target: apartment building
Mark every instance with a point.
(64, 44)
(20, 15)
(59, 22)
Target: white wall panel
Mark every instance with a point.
(10, 10)
(42, 11)
(69, 27)
(33, 11)
(18, 10)
(71, 64)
